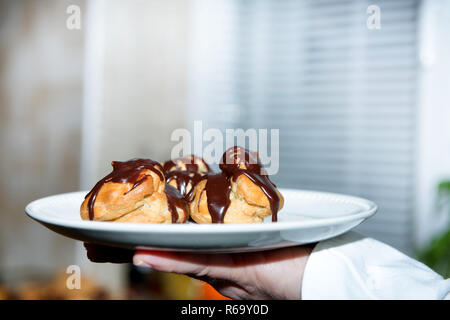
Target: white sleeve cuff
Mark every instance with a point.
(353, 267)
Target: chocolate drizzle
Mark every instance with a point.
(238, 161)
(175, 200)
(218, 188)
(125, 172)
(191, 174)
(183, 179)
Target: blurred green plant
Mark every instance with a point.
(437, 254)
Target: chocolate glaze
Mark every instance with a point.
(183, 179)
(175, 200)
(125, 172)
(218, 188)
(238, 161)
(192, 174)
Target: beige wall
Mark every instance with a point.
(139, 54)
(40, 114)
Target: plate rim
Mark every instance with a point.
(372, 208)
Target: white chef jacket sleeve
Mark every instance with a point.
(354, 267)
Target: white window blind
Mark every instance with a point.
(343, 96)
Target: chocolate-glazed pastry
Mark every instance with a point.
(241, 193)
(135, 191)
(184, 173)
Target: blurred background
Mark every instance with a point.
(362, 109)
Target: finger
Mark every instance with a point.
(200, 266)
(101, 254)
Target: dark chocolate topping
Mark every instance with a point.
(218, 188)
(183, 179)
(125, 172)
(191, 174)
(176, 200)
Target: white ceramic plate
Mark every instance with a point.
(307, 217)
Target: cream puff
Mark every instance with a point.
(135, 191)
(241, 193)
